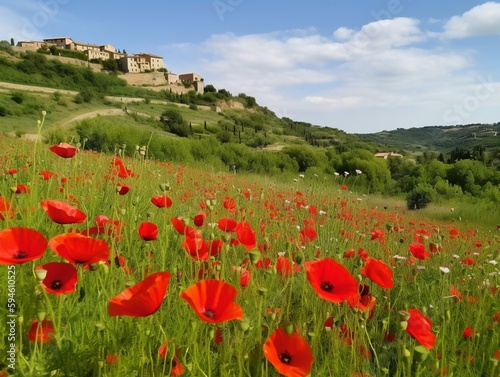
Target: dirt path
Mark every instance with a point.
(32, 88)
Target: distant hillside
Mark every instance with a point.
(438, 138)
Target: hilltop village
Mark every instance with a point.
(127, 63)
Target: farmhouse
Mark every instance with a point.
(386, 155)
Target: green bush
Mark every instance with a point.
(3, 111)
(17, 97)
(420, 197)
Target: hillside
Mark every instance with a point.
(99, 111)
(441, 139)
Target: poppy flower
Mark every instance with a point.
(46, 175)
(378, 272)
(200, 249)
(21, 189)
(41, 332)
(62, 213)
(161, 201)
(227, 224)
(308, 235)
(61, 277)
(120, 169)
(19, 245)
(290, 354)
(142, 299)
(246, 235)
(122, 188)
(182, 228)
(64, 150)
(283, 266)
(212, 301)
(148, 231)
(419, 327)
(468, 332)
(5, 209)
(177, 369)
(418, 251)
(199, 218)
(229, 204)
(332, 281)
(77, 248)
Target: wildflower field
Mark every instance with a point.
(114, 266)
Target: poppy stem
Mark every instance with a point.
(371, 347)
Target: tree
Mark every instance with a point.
(420, 197)
(12, 42)
(210, 89)
(173, 122)
(110, 65)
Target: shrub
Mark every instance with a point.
(420, 197)
(17, 97)
(3, 111)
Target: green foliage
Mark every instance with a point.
(7, 47)
(56, 51)
(305, 157)
(173, 122)
(110, 65)
(420, 197)
(3, 111)
(17, 97)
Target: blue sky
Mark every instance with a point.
(360, 66)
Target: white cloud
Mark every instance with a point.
(483, 19)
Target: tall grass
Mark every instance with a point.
(88, 342)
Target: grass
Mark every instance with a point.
(87, 341)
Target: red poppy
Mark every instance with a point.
(378, 272)
(46, 175)
(212, 301)
(468, 332)
(200, 249)
(199, 218)
(21, 189)
(229, 204)
(290, 354)
(19, 245)
(332, 281)
(60, 278)
(112, 358)
(122, 188)
(468, 261)
(177, 369)
(227, 224)
(5, 209)
(181, 227)
(308, 235)
(161, 201)
(41, 332)
(142, 299)
(283, 266)
(418, 251)
(120, 169)
(148, 231)
(62, 213)
(77, 248)
(419, 327)
(246, 235)
(64, 150)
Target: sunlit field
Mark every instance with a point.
(115, 266)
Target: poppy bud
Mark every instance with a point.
(421, 353)
(164, 187)
(289, 328)
(40, 274)
(254, 256)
